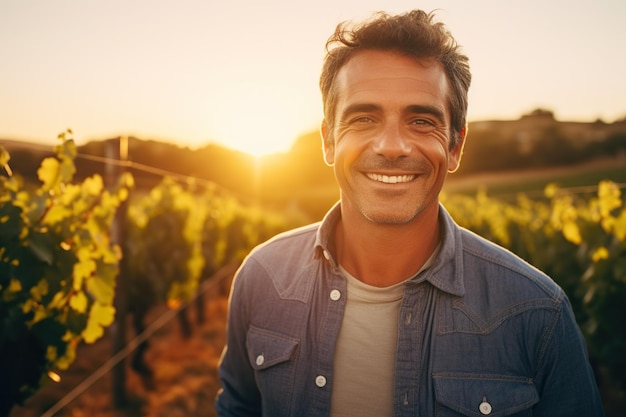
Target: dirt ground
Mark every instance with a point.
(185, 371)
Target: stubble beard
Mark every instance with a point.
(393, 217)
(391, 210)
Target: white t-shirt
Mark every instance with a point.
(365, 355)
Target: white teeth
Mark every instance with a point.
(391, 179)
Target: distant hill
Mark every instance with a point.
(273, 179)
(535, 140)
(538, 140)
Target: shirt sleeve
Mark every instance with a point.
(239, 395)
(566, 380)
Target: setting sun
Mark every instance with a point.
(259, 118)
(258, 134)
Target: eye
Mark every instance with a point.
(421, 121)
(422, 124)
(362, 119)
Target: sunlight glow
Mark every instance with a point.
(257, 121)
(257, 141)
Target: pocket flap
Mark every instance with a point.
(485, 395)
(266, 348)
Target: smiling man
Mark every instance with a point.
(387, 307)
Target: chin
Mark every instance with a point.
(389, 218)
(397, 214)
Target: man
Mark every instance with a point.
(387, 307)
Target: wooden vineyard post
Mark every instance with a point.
(118, 151)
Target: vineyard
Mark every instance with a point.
(75, 258)
(80, 259)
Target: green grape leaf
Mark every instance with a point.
(71, 194)
(66, 149)
(48, 173)
(619, 228)
(15, 286)
(84, 268)
(57, 300)
(64, 362)
(126, 181)
(67, 170)
(102, 287)
(100, 316)
(93, 185)
(56, 214)
(79, 302)
(40, 290)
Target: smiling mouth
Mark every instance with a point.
(391, 179)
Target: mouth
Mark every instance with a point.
(391, 179)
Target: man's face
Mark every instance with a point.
(390, 141)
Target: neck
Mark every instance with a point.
(385, 254)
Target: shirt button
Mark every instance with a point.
(320, 381)
(335, 295)
(485, 408)
(260, 360)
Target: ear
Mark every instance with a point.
(328, 144)
(454, 159)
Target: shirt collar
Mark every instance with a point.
(446, 271)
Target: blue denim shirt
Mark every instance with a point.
(480, 332)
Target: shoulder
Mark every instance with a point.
(490, 270)
(504, 271)
(282, 264)
(287, 247)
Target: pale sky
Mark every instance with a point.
(244, 73)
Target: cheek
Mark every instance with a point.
(346, 150)
(435, 149)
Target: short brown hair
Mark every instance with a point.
(414, 34)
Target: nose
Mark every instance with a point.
(390, 143)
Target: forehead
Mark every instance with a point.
(373, 74)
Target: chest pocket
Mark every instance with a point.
(271, 356)
(483, 395)
(266, 348)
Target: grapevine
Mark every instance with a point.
(57, 269)
(177, 236)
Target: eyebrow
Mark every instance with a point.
(358, 108)
(426, 109)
